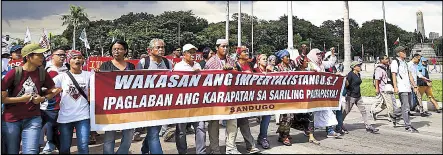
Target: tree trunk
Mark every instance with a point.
(73, 38)
(347, 41)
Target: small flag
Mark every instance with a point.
(27, 36)
(84, 38)
(44, 42)
(113, 39)
(397, 41)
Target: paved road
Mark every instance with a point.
(389, 140)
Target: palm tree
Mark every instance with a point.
(347, 40)
(76, 17)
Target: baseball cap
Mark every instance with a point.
(188, 47)
(33, 48)
(399, 48)
(16, 47)
(355, 63)
(222, 41)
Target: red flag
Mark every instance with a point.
(397, 41)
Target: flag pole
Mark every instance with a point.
(227, 21)
(384, 25)
(239, 25)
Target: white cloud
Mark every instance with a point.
(398, 13)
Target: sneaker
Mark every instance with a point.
(46, 152)
(333, 135)
(169, 135)
(253, 150)
(371, 129)
(411, 129)
(264, 143)
(235, 151)
(438, 110)
(341, 132)
(137, 136)
(425, 114)
(344, 129)
(286, 141)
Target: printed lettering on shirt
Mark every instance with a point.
(74, 93)
(28, 87)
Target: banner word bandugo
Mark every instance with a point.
(131, 99)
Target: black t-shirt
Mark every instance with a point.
(108, 66)
(353, 90)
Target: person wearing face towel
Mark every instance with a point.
(324, 118)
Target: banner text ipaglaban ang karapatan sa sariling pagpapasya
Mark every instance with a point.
(130, 99)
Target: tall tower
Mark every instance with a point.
(420, 23)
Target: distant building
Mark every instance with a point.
(433, 35)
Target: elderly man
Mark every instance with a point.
(188, 64)
(155, 61)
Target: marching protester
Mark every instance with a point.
(207, 54)
(16, 52)
(22, 93)
(50, 109)
(353, 96)
(272, 60)
(176, 53)
(262, 138)
(384, 89)
(74, 105)
(403, 82)
(416, 102)
(188, 64)
(155, 61)
(118, 49)
(222, 61)
(425, 85)
(243, 123)
(304, 121)
(284, 119)
(434, 62)
(324, 118)
(5, 68)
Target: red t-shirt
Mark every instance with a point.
(245, 67)
(29, 83)
(434, 61)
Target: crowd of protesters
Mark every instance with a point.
(52, 98)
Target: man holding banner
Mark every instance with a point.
(188, 64)
(222, 61)
(155, 61)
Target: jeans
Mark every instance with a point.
(50, 119)
(28, 129)
(82, 129)
(243, 124)
(339, 117)
(200, 137)
(109, 142)
(264, 124)
(151, 143)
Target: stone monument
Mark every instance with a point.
(424, 49)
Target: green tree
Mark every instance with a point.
(77, 16)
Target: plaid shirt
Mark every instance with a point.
(216, 63)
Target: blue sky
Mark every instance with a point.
(17, 15)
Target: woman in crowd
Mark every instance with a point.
(324, 118)
(207, 54)
(284, 120)
(353, 96)
(264, 120)
(74, 105)
(271, 64)
(304, 121)
(119, 50)
(426, 86)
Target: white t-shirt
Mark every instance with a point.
(183, 66)
(403, 83)
(73, 106)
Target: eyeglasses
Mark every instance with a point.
(60, 55)
(158, 47)
(117, 49)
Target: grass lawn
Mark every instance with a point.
(368, 89)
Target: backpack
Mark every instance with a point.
(398, 66)
(388, 73)
(148, 61)
(19, 73)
